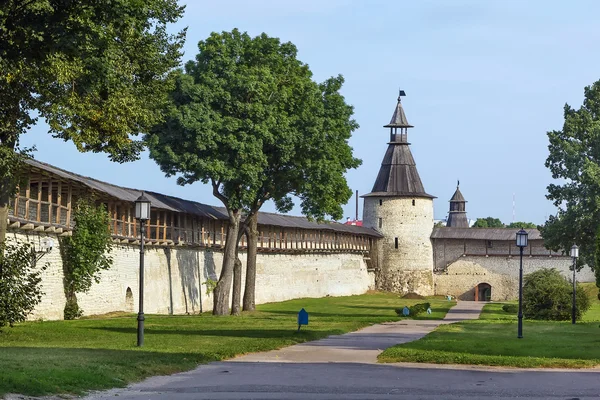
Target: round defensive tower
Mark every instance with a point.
(400, 209)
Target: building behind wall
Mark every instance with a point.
(483, 263)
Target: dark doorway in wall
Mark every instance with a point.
(129, 300)
(483, 292)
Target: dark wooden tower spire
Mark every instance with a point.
(457, 217)
(398, 175)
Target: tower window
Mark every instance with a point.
(380, 222)
(413, 202)
(396, 243)
(380, 202)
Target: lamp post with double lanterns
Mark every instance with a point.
(142, 214)
(521, 243)
(574, 255)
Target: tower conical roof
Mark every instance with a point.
(457, 216)
(398, 175)
(458, 196)
(399, 118)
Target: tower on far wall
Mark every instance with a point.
(457, 217)
(400, 209)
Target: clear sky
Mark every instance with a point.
(485, 81)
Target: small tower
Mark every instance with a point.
(402, 211)
(457, 217)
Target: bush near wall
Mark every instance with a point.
(20, 282)
(414, 310)
(548, 296)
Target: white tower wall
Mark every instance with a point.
(406, 258)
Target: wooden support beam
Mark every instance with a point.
(180, 226)
(27, 195)
(59, 201)
(124, 212)
(222, 232)
(69, 196)
(39, 202)
(49, 197)
(16, 203)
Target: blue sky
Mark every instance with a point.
(485, 81)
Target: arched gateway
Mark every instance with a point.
(483, 292)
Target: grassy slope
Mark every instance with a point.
(492, 340)
(73, 356)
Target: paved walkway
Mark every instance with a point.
(365, 345)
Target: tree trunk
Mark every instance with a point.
(3, 212)
(237, 286)
(221, 292)
(250, 288)
(5, 192)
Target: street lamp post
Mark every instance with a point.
(521, 243)
(574, 255)
(142, 214)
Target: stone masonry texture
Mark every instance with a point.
(175, 279)
(406, 251)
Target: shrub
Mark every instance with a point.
(414, 310)
(547, 295)
(20, 281)
(510, 308)
(85, 253)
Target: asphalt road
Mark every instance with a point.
(295, 381)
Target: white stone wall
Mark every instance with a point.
(53, 301)
(501, 272)
(409, 221)
(175, 277)
(447, 251)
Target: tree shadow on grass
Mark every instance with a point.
(242, 333)
(329, 315)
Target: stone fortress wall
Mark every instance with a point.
(461, 265)
(175, 278)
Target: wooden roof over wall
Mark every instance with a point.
(175, 204)
(503, 234)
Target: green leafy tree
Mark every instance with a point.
(86, 253)
(248, 119)
(548, 296)
(96, 71)
(575, 159)
(522, 225)
(488, 222)
(20, 289)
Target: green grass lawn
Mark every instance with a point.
(492, 340)
(38, 358)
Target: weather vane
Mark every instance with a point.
(400, 94)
